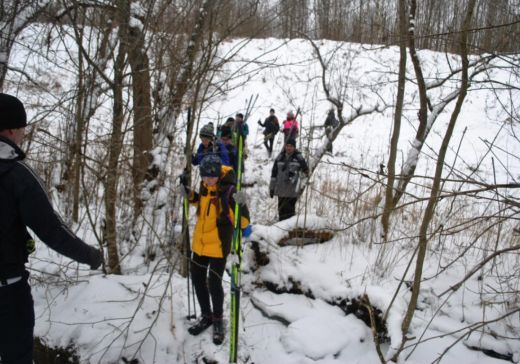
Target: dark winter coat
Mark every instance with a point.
(233, 155)
(240, 127)
(219, 149)
(24, 203)
(215, 216)
(285, 175)
(331, 121)
(271, 125)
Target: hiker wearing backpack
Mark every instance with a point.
(290, 127)
(286, 181)
(271, 128)
(208, 145)
(212, 237)
(25, 204)
(330, 124)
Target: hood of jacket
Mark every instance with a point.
(9, 153)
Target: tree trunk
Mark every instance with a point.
(112, 172)
(389, 190)
(432, 201)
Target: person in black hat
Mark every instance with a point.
(271, 128)
(25, 204)
(208, 145)
(286, 180)
(226, 136)
(211, 241)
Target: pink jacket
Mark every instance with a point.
(290, 124)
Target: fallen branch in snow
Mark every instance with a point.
(479, 267)
(260, 306)
(365, 301)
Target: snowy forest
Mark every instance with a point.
(405, 247)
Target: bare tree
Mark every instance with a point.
(434, 194)
(15, 15)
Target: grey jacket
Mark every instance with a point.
(285, 176)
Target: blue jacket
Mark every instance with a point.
(220, 150)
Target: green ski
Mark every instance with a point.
(236, 246)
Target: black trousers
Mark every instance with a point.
(206, 273)
(16, 323)
(268, 142)
(286, 207)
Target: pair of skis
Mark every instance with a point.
(236, 246)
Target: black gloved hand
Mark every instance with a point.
(183, 179)
(96, 258)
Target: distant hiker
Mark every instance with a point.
(212, 240)
(226, 138)
(331, 123)
(209, 145)
(286, 181)
(271, 128)
(25, 204)
(240, 127)
(228, 124)
(290, 127)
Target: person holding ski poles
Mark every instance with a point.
(285, 179)
(212, 237)
(25, 204)
(209, 145)
(290, 127)
(271, 128)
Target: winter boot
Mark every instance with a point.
(218, 330)
(200, 326)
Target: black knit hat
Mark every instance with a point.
(210, 166)
(12, 113)
(291, 141)
(207, 131)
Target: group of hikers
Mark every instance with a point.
(218, 160)
(25, 204)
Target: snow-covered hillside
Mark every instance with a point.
(299, 302)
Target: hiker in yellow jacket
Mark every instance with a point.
(211, 241)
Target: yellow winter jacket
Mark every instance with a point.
(214, 228)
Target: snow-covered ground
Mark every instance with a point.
(293, 308)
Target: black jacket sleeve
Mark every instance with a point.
(303, 164)
(38, 214)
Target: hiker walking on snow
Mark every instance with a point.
(290, 127)
(212, 237)
(208, 145)
(240, 126)
(25, 204)
(286, 180)
(271, 128)
(331, 123)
